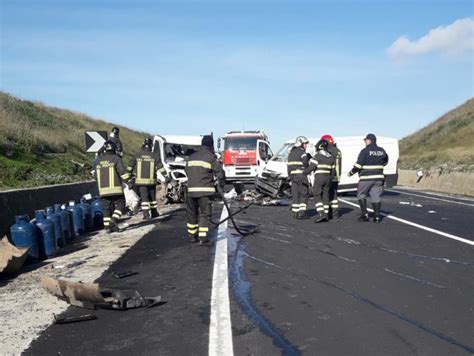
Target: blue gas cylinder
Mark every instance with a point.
(65, 224)
(58, 229)
(77, 218)
(46, 237)
(24, 235)
(70, 217)
(86, 214)
(97, 214)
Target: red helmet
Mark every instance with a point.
(328, 138)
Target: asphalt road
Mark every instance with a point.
(296, 287)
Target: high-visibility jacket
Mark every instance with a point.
(297, 161)
(322, 163)
(202, 169)
(109, 173)
(143, 165)
(370, 163)
(336, 152)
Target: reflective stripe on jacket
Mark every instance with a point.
(370, 163)
(202, 169)
(109, 173)
(322, 163)
(336, 152)
(297, 161)
(144, 165)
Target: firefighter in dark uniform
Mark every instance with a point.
(202, 170)
(323, 166)
(110, 172)
(114, 137)
(370, 165)
(143, 167)
(297, 162)
(333, 200)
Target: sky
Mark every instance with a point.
(344, 67)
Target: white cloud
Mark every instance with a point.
(455, 39)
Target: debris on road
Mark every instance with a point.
(410, 204)
(93, 296)
(73, 319)
(431, 212)
(12, 258)
(120, 275)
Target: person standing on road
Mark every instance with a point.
(297, 162)
(333, 200)
(323, 166)
(369, 165)
(202, 169)
(114, 137)
(109, 172)
(143, 167)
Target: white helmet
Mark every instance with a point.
(300, 140)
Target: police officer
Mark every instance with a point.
(114, 137)
(202, 169)
(370, 165)
(143, 166)
(110, 172)
(297, 162)
(323, 166)
(333, 200)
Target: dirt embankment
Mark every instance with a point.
(452, 182)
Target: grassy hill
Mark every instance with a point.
(41, 145)
(447, 143)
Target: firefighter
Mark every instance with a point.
(114, 137)
(110, 172)
(297, 162)
(202, 170)
(333, 201)
(323, 166)
(143, 167)
(370, 165)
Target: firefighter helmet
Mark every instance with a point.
(322, 145)
(147, 143)
(109, 146)
(301, 140)
(116, 131)
(328, 138)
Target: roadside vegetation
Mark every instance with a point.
(41, 145)
(446, 145)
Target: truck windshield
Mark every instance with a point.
(240, 143)
(282, 154)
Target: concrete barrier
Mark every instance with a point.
(26, 201)
(453, 182)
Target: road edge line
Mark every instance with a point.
(432, 198)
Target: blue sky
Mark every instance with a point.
(287, 67)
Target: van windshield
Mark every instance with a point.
(240, 143)
(282, 154)
(174, 150)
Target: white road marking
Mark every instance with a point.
(433, 198)
(454, 237)
(220, 327)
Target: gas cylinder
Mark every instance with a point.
(46, 238)
(24, 235)
(58, 229)
(86, 214)
(65, 224)
(97, 214)
(77, 218)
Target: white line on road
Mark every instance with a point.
(454, 237)
(424, 196)
(220, 328)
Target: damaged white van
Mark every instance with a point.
(273, 179)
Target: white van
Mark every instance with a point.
(350, 147)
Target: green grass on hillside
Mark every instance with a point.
(41, 145)
(447, 143)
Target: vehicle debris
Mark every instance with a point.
(120, 275)
(12, 258)
(93, 296)
(73, 319)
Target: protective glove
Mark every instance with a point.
(350, 174)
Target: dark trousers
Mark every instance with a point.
(299, 192)
(148, 196)
(198, 211)
(322, 183)
(333, 201)
(112, 207)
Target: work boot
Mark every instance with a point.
(204, 241)
(336, 214)
(154, 213)
(376, 207)
(302, 215)
(364, 215)
(146, 214)
(113, 227)
(295, 215)
(193, 239)
(321, 218)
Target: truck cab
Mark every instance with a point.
(244, 154)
